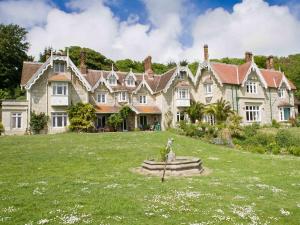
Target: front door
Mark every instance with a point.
(287, 113)
(124, 125)
(101, 121)
(143, 122)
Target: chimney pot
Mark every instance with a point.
(270, 63)
(205, 52)
(148, 66)
(83, 68)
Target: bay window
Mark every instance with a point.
(60, 88)
(59, 119)
(182, 93)
(253, 113)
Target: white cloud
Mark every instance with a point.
(252, 25)
(26, 13)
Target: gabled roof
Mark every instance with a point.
(59, 77)
(29, 68)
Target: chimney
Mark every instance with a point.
(148, 66)
(205, 52)
(248, 56)
(270, 63)
(83, 68)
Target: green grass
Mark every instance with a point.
(86, 178)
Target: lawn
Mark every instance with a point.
(86, 179)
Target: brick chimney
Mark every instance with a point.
(148, 66)
(248, 56)
(270, 63)
(205, 48)
(83, 68)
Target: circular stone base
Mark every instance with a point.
(188, 173)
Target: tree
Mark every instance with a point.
(115, 120)
(13, 48)
(124, 112)
(221, 110)
(38, 122)
(195, 111)
(82, 117)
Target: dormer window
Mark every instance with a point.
(281, 93)
(112, 80)
(123, 96)
(181, 75)
(130, 81)
(251, 87)
(59, 67)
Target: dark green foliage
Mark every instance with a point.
(115, 120)
(1, 128)
(193, 67)
(295, 150)
(257, 149)
(283, 138)
(82, 117)
(38, 122)
(183, 63)
(124, 112)
(13, 48)
(195, 111)
(227, 60)
(127, 64)
(221, 110)
(275, 124)
(163, 154)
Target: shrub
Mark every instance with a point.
(284, 138)
(38, 122)
(258, 149)
(273, 148)
(82, 117)
(275, 124)
(250, 130)
(115, 120)
(1, 128)
(295, 150)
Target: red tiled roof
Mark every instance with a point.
(226, 72)
(59, 77)
(147, 109)
(107, 109)
(28, 70)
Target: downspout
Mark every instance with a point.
(237, 101)
(232, 97)
(270, 97)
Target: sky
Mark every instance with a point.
(168, 30)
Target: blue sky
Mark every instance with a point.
(166, 29)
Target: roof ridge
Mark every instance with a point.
(29, 62)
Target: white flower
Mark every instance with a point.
(43, 221)
(284, 212)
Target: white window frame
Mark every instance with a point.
(281, 114)
(253, 113)
(101, 97)
(143, 99)
(208, 89)
(16, 120)
(62, 85)
(59, 67)
(281, 93)
(210, 119)
(112, 80)
(54, 119)
(123, 96)
(130, 82)
(183, 93)
(251, 87)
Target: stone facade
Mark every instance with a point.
(154, 99)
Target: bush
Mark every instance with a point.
(258, 149)
(284, 138)
(273, 148)
(82, 117)
(1, 128)
(250, 130)
(295, 150)
(115, 120)
(275, 124)
(38, 122)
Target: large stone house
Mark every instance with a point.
(258, 95)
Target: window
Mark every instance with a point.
(59, 67)
(60, 88)
(143, 99)
(183, 93)
(251, 87)
(130, 81)
(59, 119)
(16, 120)
(210, 119)
(284, 113)
(101, 97)
(281, 93)
(252, 113)
(122, 96)
(208, 88)
(112, 80)
(181, 75)
(180, 116)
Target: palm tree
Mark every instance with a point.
(221, 110)
(195, 111)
